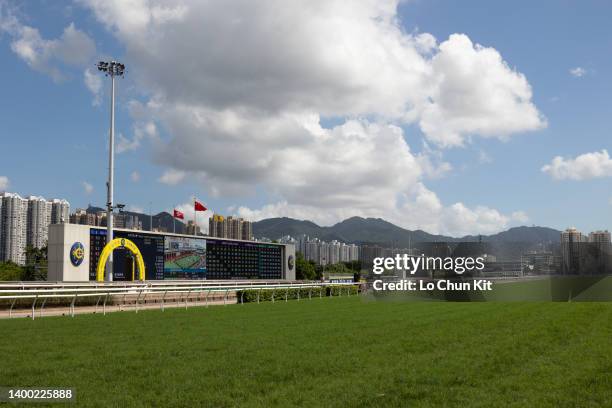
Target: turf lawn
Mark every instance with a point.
(342, 352)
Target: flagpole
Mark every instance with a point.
(173, 221)
(195, 214)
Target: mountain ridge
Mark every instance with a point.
(160, 220)
(357, 230)
(360, 230)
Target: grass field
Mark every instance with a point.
(187, 261)
(342, 352)
(184, 262)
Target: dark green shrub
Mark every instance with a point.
(279, 294)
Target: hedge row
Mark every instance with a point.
(250, 295)
(265, 295)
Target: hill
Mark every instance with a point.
(357, 230)
(161, 220)
(378, 231)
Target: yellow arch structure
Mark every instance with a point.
(120, 243)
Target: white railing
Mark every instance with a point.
(44, 284)
(42, 291)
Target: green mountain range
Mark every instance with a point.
(378, 231)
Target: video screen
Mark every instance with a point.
(184, 258)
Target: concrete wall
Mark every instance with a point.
(289, 251)
(61, 239)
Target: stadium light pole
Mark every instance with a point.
(112, 69)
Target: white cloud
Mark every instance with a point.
(582, 167)
(520, 217)
(73, 47)
(420, 209)
(4, 183)
(135, 176)
(432, 163)
(125, 145)
(475, 92)
(578, 72)
(87, 187)
(93, 82)
(142, 130)
(322, 57)
(135, 208)
(247, 119)
(172, 177)
(383, 178)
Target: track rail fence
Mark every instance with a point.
(40, 292)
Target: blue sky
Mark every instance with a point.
(54, 139)
(544, 40)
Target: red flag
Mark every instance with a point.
(179, 215)
(199, 206)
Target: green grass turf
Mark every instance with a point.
(343, 352)
(187, 261)
(170, 265)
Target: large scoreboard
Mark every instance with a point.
(183, 257)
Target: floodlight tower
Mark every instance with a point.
(112, 69)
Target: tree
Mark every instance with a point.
(36, 264)
(304, 270)
(355, 267)
(318, 270)
(338, 269)
(10, 271)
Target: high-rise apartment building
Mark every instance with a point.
(324, 253)
(571, 250)
(192, 228)
(600, 237)
(368, 253)
(217, 226)
(599, 252)
(133, 222)
(38, 220)
(60, 211)
(13, 225)
(230, 227)
(247, 230)
(81, 216)
(234, 226)
(118, 220)
(333, 252)
(25, 221)
(353, 252)
(121, 220)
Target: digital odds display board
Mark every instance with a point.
(181, 257)
(243, 260)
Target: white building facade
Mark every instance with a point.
(25, 222)
(325, 253)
